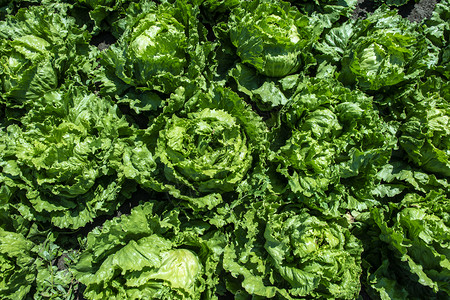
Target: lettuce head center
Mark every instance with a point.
(155, 40)
(371, 58)
(206, 147)
(308, 245)
(277, 27)
(180, 268)
(140, 44)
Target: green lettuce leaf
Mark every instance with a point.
(267, 93)
(398, 178)
(272, 36)
(329, 145)
(32, 264)
(207, 149)
(16, 265)
(154, 252)
(438, 31)
(385, 51)
(406, 248)
(291, 254)
(161, 49)
(102, 12)
(327, 11)
(38, 47)
(425, 134)
(58, 166)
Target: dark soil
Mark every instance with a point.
(413, 11)
(103, 40)
(61, 263)
(363, 8)
(419, 11)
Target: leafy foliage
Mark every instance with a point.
(212, 149)
(57, 166)
(292, 254)
(162, 256)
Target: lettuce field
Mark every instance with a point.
(224, 149)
